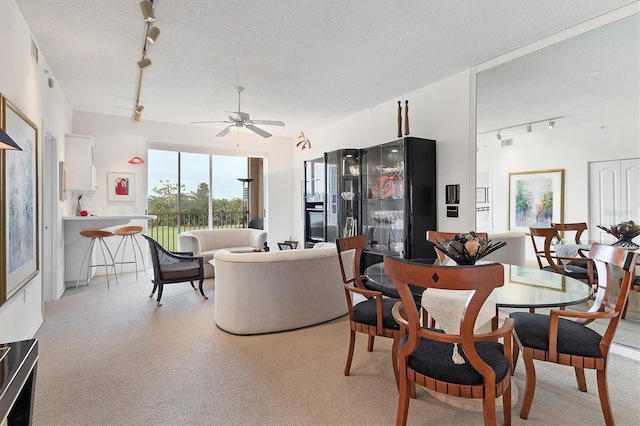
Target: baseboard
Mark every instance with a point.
(625, 351)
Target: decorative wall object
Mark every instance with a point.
(121, 186)
(19, 200)
(481, 195)
(536, 199)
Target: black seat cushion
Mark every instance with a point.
(573, 338)
(433, 359)
(365, 313)
(180, 270)
(571, 271)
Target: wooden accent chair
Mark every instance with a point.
(554, 263)
(425, 354)
(174, 267)
(563, 341)
(372, 316)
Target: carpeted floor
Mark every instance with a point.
(114, 358)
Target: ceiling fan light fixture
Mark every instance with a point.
(145, 62)
(153, 34)
(147, 11)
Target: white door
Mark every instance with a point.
(614, 195)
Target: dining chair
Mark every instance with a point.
(426, 356)
(438, 237)
(568, 342)
(371, 316)
(174, 267)
(555, 263)
(578, 228)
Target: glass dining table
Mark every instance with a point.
(523, 287)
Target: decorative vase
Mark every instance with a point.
(78, 207)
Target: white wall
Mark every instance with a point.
(440, 111)
(24, 83)
(116, 139)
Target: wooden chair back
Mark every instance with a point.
(578, 228)
(541, 238)
(482, 280)
(356, 243)
(437, 237)
(604, 256)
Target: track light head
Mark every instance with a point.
(139, 109)
(529, 128)
(153, 34)
(499, 136)
(147, 11)
(145, 62)
(551, 124)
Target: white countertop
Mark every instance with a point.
(120, 216)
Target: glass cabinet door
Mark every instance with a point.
(314, 180)
(343, 193)
(383, 204)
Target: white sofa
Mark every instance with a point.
(514, 252)
(279, 290)
(207, 242)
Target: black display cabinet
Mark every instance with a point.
(314, 199)
(342, 183)
(398, 199)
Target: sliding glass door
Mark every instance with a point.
(188, 191)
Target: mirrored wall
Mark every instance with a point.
(568, 106)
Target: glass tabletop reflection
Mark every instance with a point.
(523, 287)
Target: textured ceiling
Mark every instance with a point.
(306, 62)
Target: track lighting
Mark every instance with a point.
(517, 129)
(153, 34)
(529, 128)
(147, 10)
(137, 113)
(145, 62)
(499, 136)
(551, 124)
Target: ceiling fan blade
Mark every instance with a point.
(225, 131)
(269, 122)
(205, 122)
(258, 130)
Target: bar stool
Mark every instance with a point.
(96, 234)
(128, 233)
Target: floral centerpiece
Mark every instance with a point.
(468, 248)
(624, 232)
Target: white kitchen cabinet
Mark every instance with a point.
(80, 155)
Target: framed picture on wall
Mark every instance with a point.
(536, 199)
(121, 187)
(19, 213)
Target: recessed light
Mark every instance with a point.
(592, 73)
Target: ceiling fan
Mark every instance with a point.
(242, 119)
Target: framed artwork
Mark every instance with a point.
(19, 221)
(62, 176)
(121, 186)
(536, 199)
(481, 195)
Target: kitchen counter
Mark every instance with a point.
(75, 245)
